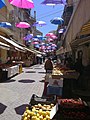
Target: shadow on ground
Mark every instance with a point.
(30, 72)
(2, 108)
(42, 81)
(21, 109)
(8, 81)
(26, 81)
(37, 68)
(42, 72)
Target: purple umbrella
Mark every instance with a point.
(27, 4)
(29, 36)
(53, 2)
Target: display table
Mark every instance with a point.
(11, 71)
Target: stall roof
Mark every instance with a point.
(4, 46)
(29, 50)
(12, 43)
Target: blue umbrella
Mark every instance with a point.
(5, 24)
(2, 3)
(57, 21)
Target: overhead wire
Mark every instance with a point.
(56, 11)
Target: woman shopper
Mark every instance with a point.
(48, 65)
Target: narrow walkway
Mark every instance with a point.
(15, 93)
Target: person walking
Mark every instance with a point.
(48, 65)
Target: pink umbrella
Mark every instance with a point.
(49, 34)
(27, 4)
(10, 0)
(50, 40)
(54, 37)
(22, 25)
(35, 42)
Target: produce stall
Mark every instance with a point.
(9, 70)
(61, 82)
(40, 108)
(47, 108)
(73, 109)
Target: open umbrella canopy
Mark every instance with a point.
(61, 31)
(29, 36)
(49, 34)
(22, 25)
(27, 4)
(39, 23)
(57, 21)
(2, 3)
(53, 2)
(5, 24)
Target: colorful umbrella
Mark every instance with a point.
(61, 31)
(27, 4)
(29, 36)
(35, 42)
(5, 25)
(53, 2)
(22, 25)
(2, 3)
(39, 23)
(10, 0)
(49, 34)
(57, 21)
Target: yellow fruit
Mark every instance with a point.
(33, 118)
(44, 119)
(44, 113)
(47, 117)
(38, 115)
(27, 108)
(41, 117)
(25, 118)
(25, 114)
(48, 113)
(40, 111)
(28, 111)
(52, 105)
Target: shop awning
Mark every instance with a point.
(4, 46)
(37, 52)
(12, 43)
(27, 49)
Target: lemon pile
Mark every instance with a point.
(38, 112)
(57, 72)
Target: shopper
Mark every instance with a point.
(48, 66)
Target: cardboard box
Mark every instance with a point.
(56, 82)
(53, 111)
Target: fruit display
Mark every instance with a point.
(73, 115)
(38, 112)
(57, 72)
(71, 103)
(73, 109)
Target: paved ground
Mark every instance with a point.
(15, 93)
